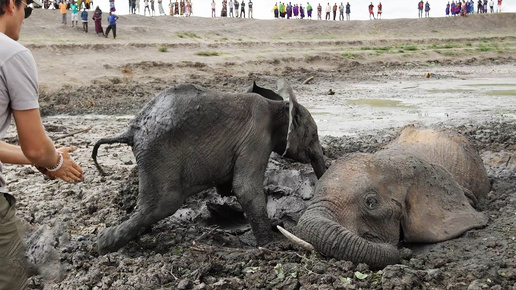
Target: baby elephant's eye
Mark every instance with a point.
(371, 201)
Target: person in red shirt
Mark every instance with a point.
(379, 13)
(371, 12)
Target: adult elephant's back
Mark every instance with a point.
(449, 149)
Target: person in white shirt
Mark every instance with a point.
(146, 7)
(19, 102)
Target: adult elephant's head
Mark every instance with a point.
(296, 135)
(365, 204)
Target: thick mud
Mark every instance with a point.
(207, 244)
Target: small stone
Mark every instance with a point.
(184, 284)
(319, 268)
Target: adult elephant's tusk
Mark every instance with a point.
(297, 241)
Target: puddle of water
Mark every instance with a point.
(501, 93)
(377, 103)
(427, 102)
(492, 85)
(449, 91)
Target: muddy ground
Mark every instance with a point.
(207, 245)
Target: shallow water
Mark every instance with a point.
(364, 106)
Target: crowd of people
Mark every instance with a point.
(296, 11)
(466, 7)
(74, 7)
(235, 8)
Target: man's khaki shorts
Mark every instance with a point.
(13, 262)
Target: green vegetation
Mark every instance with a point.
(484, 48)
(349, 55)
(447, 49)
(410, 47)
(187, 34)
(384, 48)
(163, 48)
(445, 45)
(207, 53)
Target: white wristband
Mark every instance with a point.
(59, 163)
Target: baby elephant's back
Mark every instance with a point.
(186, 114)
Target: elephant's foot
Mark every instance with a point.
(109, 240)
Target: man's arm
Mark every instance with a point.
(12, 154)
(34, 142)
(40, 150)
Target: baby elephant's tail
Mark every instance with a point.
(126, 138)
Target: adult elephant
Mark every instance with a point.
(187, 140)
(420, 189)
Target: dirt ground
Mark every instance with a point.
(454, 72)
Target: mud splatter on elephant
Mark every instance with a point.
(421, 188)
(187, 140)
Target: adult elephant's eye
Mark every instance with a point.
(371, 201)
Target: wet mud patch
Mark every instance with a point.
(192, 250)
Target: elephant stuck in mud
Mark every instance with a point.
(421, 188)
(186, 140)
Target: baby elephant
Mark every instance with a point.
(421, 188)
(186, 140)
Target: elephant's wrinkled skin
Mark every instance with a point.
(420, 189)
(187, 140)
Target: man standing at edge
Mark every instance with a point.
(112, 18)
(18, 96)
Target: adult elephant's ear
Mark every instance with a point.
(436, 208)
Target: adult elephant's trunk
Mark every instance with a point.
(333, 240)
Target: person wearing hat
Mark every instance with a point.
(19, 99)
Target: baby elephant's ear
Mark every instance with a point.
(266, 93)
(436, 207)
